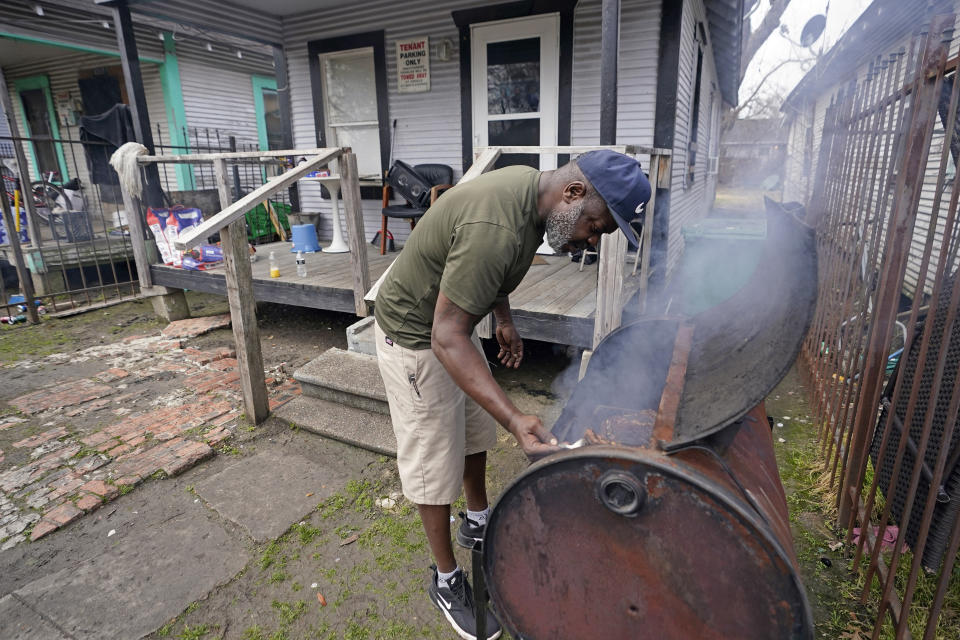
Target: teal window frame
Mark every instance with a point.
(259, 84)
(41, 82)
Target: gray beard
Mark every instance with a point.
(560, 226)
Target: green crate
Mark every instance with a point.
(259, 225)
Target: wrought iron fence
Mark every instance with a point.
(883, 353)
(75, 236)
(188, 183)
(71, 227)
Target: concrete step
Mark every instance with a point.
(346, 377)
(360, 337)
(365, 429)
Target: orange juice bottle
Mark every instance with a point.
(274, 267)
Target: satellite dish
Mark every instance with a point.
(749, 6)
(813, 30)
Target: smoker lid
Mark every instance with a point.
(692, 561)
(743, 347)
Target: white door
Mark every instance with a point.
(515, 85)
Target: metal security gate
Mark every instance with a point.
(72, 229)
(882, 355)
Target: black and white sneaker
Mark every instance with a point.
(455, 602)
(469, 532)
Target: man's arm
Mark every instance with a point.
(450, 340)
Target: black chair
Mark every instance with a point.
(419, 186)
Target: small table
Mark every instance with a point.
(332, 183)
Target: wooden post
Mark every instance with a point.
(647, 235)
(353, 212)
(137, 241)
(609, 46)
(243, 310)
(613, 252)
(130, 62)
(26, 284)
(23, 171)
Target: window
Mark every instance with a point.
(348, 77)
(694, 120)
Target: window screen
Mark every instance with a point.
(350, 107)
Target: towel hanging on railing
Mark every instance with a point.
(124, 160)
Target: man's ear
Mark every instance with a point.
(575, 190)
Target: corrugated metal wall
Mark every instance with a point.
(218, 98)
(428, 124)
(689, 203)
(63, 74)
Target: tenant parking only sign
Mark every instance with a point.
(413, 65)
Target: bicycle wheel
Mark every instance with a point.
(49, 195)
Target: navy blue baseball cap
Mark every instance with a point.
(620, 181)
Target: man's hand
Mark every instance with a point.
(511, 346)
(534, 439)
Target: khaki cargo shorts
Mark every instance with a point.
(435, 422)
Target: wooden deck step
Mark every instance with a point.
(346, 377)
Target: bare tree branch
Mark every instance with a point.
(731, 115)
(753, 40)
(744, 103)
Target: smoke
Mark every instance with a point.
(749, 300)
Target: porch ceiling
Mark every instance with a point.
(285, 8)
(726, 32)
(20, 52)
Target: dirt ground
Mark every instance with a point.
(356, 566)
(368, 562)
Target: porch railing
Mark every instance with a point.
(230, 224)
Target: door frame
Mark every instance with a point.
(376, 40)
(518, 29)
(259, 84)
(465, 18)
(41, 82)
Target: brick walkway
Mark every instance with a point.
(159, 409)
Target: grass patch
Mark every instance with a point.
(289, 613)
(194, 633)
(272, 555)
(253, 633)
(834, 592)
(306, 532)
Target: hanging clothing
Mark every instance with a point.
(113, 127)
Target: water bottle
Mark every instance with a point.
(274, 267)
(301, 265)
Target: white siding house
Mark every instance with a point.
(430, 125)
(883, 34)
(678, 63)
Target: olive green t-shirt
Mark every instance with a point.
(474, 244)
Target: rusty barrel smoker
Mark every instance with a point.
(670, 522)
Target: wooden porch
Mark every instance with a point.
(555, 302)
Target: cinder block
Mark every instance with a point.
(171, 306)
